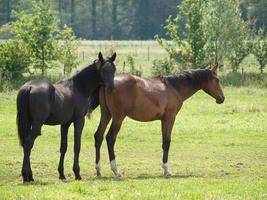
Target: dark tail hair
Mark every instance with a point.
(93, 102)
(23, 115)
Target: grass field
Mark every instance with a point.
(217, 152)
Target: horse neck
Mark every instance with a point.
(187, 91)
(87, 80)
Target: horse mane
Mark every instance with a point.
(86, 79)
(194, 78)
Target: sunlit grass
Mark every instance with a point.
(217, 152)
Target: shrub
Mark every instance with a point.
(260, 49)
(163, 67)
(68, 54)
(130, 61)
(14, 59)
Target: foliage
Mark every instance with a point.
(68, 55)
(14, 59)
(186, 48)
(163, 67)
(260, 49)
(38, 31)
(227, 34)
(257, 9)
(6, 32)
(130, 61)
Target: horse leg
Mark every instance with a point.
(27, 147)
(78, 127)
(166, 125)
(63, 149)
(105, 118)
(111, 139)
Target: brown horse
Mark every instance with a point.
(144, 100)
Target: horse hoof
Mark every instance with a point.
(78, 178)
(62, 177)
(28, 179)
(98, 174)
(167, 174)
(117, 174)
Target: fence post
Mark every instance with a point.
(83, 55)
(148, 53)
(123, 68)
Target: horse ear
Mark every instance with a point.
(113, 57)
(100, 57)
(212, 67)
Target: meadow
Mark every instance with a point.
(217, 151)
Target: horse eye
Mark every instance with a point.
(217, 80)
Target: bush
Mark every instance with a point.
(131, 63)
(68, 54)
(244, 79)
(260, 49)
(14, 59)
(163, 67)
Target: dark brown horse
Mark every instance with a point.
(145, 100)
(39, 102)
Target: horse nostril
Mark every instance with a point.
(220, 99)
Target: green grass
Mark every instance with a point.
(217, 152)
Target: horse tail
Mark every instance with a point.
(93, 101)
(23, 114)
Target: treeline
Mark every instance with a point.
(121, 19)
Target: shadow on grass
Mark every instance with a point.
(143, 177)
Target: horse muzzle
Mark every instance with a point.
(220, 99)
(109, 87)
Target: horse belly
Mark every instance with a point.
(146, 110)
(61, 112)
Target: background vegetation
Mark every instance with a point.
(121, 19)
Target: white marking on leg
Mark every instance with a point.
(165, 167)
(113, 167)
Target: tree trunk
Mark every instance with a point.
(60, 12)
(103, 11)
(114, 19)
(8, 9)
(93, 19)
(72, 11)
(43, 62)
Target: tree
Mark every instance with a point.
(226, 32)
(187, 47)
(94, 19)
(72, 7)
(257, 9)
(14, 59)
(260, 49)
(68, 50)
(38, 31)
(114, 18)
